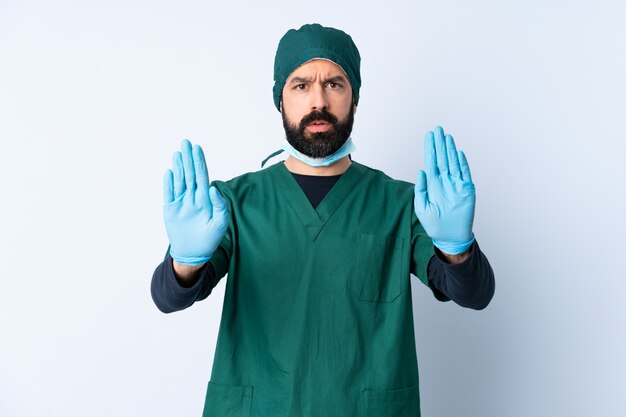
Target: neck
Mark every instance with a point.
(298, 167)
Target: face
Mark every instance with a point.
(317, 108)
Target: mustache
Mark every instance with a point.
(323, 115)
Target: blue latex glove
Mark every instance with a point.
(196, 215)
(445, 196)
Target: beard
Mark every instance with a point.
(319, 144)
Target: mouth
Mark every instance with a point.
(318, 126)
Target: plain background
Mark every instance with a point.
(96, 96)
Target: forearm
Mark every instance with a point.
(171, 292)
(455, 259)
(469, 283)
(186, 275)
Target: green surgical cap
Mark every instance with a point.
(316, 41)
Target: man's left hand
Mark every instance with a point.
(445, 196)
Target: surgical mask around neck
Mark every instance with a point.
(346, 149)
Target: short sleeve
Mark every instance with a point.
(422, 249)
(221, 257)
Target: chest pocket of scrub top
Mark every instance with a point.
(378, 268)
(228, 400)
(403, 402)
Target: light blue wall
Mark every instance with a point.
(95, 97)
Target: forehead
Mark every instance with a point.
(318, 67)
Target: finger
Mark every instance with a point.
(202, 175)
(421, 192)
(179, 174)
(465, 170)
(220, 208)
(168, 187)
(440, 151)
(190, 174)
(453, 158)
(430, 157)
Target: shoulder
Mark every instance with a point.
(378, 178)
(243, 184)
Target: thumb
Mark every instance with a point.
(219, 204)
(421, 192)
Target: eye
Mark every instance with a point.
(333, 85)
(300, 87)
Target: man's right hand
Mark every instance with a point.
(196, 215)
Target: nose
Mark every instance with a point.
(318, 99)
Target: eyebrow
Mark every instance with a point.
(305, 80)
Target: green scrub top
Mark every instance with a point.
(317, 318)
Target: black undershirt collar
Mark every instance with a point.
(316, 187)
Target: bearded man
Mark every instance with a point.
(319, 250)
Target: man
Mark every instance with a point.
(317, 317)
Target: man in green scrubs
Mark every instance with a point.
(319, 251)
